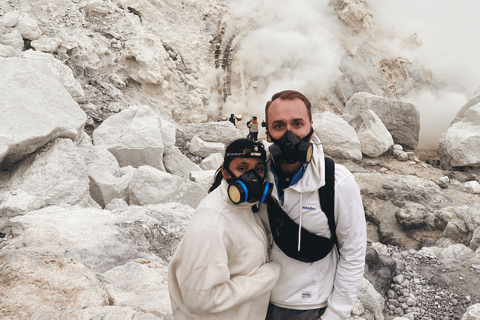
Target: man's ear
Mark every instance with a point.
(269, 139)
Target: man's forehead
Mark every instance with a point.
(283, 109)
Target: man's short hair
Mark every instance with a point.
(289, 95)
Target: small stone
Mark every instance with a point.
(391, 294)
(411, 302)
(393, 302)
(454, 302)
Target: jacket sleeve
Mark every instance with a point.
(207, 285)
(352, 240)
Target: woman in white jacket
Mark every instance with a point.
(220, 269)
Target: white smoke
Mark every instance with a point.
(450, 49)
(291, 44)
(287, 45)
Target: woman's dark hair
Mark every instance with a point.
(237, 146)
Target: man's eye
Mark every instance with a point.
(278, 126)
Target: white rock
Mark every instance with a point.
(46, 44)
(224, 132)
(54, 175)
(116, 204)
(397, 147)
(472, 187)
(372, 133)
(456, 230)
(470, 103)
(203, 149)
(169, 132)
(458, 252)
(36, 284)
(2, 28)
(338, 138)
(108, 313)
(146, 61)
(212, 162)
(28, 89)
(13, 38)
(102, 239)
(28, 27)
(152, 186)
(472, 313)
(475, 242)
(17, 202)
(63, 73)
(177, 163)
(141, 284)
(205, 177)
(107, 179)
(10, 19)
(402, 119)
(459, 146)
(133, 136)
(371, 299)
(8, 52)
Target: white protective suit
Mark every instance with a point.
(330, 282)
(220, 269)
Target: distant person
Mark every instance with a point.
(220, 269)
(232, 119)
(316, 218)
(253, 129)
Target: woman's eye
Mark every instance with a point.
(260, 170)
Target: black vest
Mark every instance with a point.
(285, 230)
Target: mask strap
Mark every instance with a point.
(308, 136)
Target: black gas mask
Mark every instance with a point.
(249, 187)
(290, 148)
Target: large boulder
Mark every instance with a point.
(338, 138)
(177, 163)
(63, 73)
(379, 270)
(169, 132)
(212, 162)
(472, 313)
(203, 149)
(372, 133)
(36, 284)
(460, 145)
(35, 107)
(141, 284)
(103, 239)
(28, 27)
(152, 186)
(110, 313)
(133, 136)
(224, 132)
(402, 119)
(54, 175)
(473, 101)
(107, 180)
(13, 39)
(371, 300)
(413, 189)
(414, 216)
(204, 178)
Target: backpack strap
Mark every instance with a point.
(327, 198)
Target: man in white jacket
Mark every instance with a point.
(327, 288)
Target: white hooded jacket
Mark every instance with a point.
(220, 269)
(332, 282)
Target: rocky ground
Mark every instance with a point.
(424, 287)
